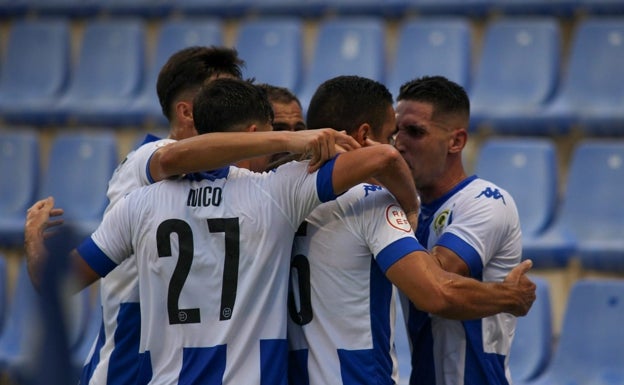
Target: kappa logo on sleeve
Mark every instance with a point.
(396, 218)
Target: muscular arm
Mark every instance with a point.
(449, 261)
(382, 162)
(219, 149)
(449, 295)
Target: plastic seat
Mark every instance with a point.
(595, 177)
(517, 75)
(213, 8)
(590, 348)
(79, 167)
(516, 163)
(558, 8)
(273, 51)
(385, 8)
(600, 7)
(35, 70)
(173, 36)
(140, 8)
(4, 289)
(470, 8)
(22, 331)
(432, 46)
(531, 349)
(108, 76)
(345, 46)
(590, 96)
(19, 150)
(71, 8)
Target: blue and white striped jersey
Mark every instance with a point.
(479, 222)
(342, 307)
(212, 260)
(113, 359)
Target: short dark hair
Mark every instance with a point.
(446, 96)
(187, 69)
(279, 94)
(225, 104)
(346, 102)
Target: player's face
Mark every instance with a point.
(422, 141)
(288, 117)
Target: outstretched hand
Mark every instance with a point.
(523, 285)
(320, 145)
(39, 217)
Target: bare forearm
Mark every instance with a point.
(36, 255)
(397, 178)
(211, 151)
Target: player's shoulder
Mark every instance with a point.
(485, 192)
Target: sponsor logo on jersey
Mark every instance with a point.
(371, 188)
(489, 193)
(441, 220)
(396, 218)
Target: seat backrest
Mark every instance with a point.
(22, 329)
(19, 165)
(79, 167)
(273, 51)
(594, 75)
(432, 46)
(531, 349)
(173, 36)
(111, 61)
(346, 46)
(4, 290)
(517, 163)
(37, 59)
(591, 342)
(519, 63)
(591, 201)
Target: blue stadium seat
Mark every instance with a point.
(141, 8)
(213, 8)
(432, 46)
(517, 74)
(72, 8)
(590, 349)
(173, 35)
(470, 8)
(108, 76)
(79, 167)
(558, 8)
(600, 7)
(80, 351)
(13, 8)
(596, 177)
(385, 8)
(35, 70)
(345, 46)
(590, 94)
(19, 165)
(4, 290)
(19, 338)
(531, 349)
(273, 50)
(514, 164)
(293, 8)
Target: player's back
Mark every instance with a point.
(213, 261)
(343, 333)
(114, 357)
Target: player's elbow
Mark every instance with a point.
(388, 157)
(165, 162)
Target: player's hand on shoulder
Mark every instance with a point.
(320, 145)
(39, 217)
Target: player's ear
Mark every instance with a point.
(362, 133)
(184, 111)
(458, 140)
(252, 128)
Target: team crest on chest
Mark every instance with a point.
(441, 220)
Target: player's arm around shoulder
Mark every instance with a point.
(452, 296)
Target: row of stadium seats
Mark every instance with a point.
(582, 219)
(519, 83)
(588, 350)
(308, 8)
